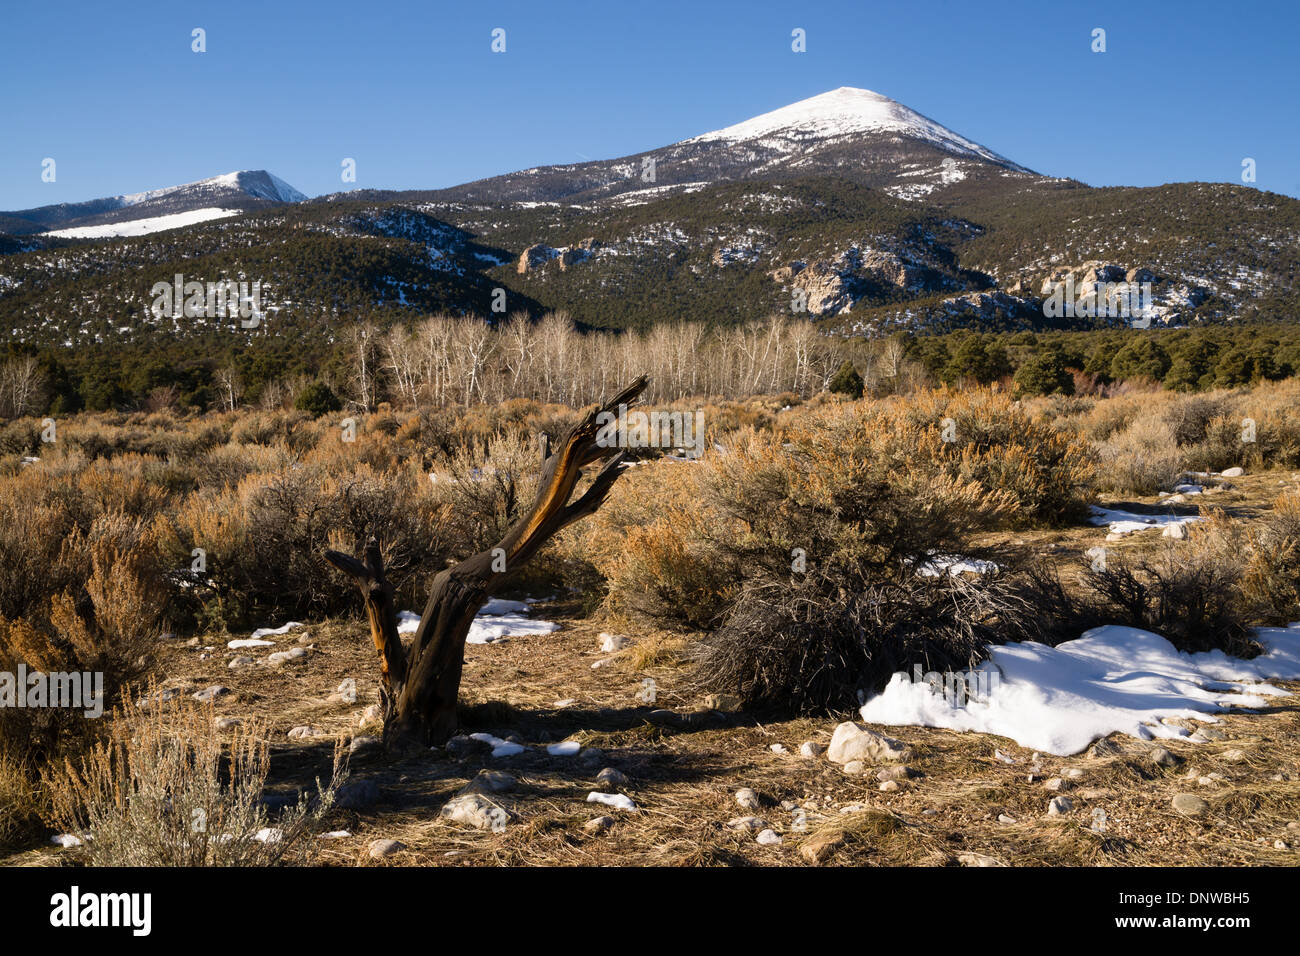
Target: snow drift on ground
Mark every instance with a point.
(497, 620)
(1058, 700)
(1126, 522)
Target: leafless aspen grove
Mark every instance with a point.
(463, 361)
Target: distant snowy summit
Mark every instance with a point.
(257, 183)
(155, 210)
(846, 112)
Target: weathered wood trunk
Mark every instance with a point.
(421, 684)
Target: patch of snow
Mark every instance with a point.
(1113, 678)
(954, 564)
(619, 801)
(282, 629)
(845, 112)
(1127, 522)
(500, 748)
(141, 227)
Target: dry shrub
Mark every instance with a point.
(1142, 459)
(1271, 580)
(164, 788)
(264, 538)
(651, 543)
(1190, 593)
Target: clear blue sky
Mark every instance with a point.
(413, 93)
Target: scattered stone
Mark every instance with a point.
(1059, 806)
(208, 693)
(382, 848)
(476, 810)
(372, 716)
(1176, 531)
(598, 824)
(723, 702)
(853, 741)
(357, 794)
(1233, 756)
(609, 778)
(1279, 844)
(228, 723)
(1189, 804)
(978, 859)
(1056, 784)
(591, 756)
(292, 655)
(1105, 748)
(1207, 733)
(304, 733)
(855, 768)
(748, 799)
(1072, 773)
(811, 748)
(901, 772)
(364, 746)
(490, 781)
(1163, 758)
(889, 786)
(238, 662)
(345, 693)
(819, 847)
(1006, 818)
(747, 823)
(66, 840)
(462, 746)
(609, 643)
(335, 835)
(1235, 472)
(1003, 758)
(769, 838)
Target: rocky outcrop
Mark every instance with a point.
(536, 256)
(889, 268)
(826, 289)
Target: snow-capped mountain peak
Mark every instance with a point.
(841, 113)
(257, 183)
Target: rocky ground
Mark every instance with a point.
(590, 752)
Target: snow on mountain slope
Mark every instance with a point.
(256, 183)
(845, 112)
(140, 227)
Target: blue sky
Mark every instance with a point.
(413, 92)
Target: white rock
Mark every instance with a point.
(853, 741)
(748, 799)
(811, 748)
(769, 838)
(609, 643)
(1059, 806)
(475, 810)
(1234, 472)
